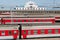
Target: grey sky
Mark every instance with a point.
(13, 3)
(22, 2)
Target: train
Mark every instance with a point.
(32, 25)
(40, 31)
(29, 31)
(19, 20)
(9, 31)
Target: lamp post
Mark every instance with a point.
(11, 14)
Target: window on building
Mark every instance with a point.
(31, 7)
(30, 4)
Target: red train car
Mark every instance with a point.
(40, 31)
(9, 31)
(28, 20)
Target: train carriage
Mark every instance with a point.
(9, 31)
(39, 31)
(28, 20)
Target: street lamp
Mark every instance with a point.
(11, 14)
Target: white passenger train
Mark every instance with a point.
(28, 20)
(9, 32)
(39, 31)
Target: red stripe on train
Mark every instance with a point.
(45, 20)
(53, 31)
(6, 33)
(57, 17)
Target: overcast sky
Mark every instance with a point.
(22, 2)
(7, 4)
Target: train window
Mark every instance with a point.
(35, 31)
(42, 31)
(15, 32)
(32, 20)
(29, 32)
(24, 20)
(16, 20)
(3, 33)
(24, 32)
(56, 31)
(10, 33)
(20, 20)
(36, 20)
(28, 20)
(49, 31)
